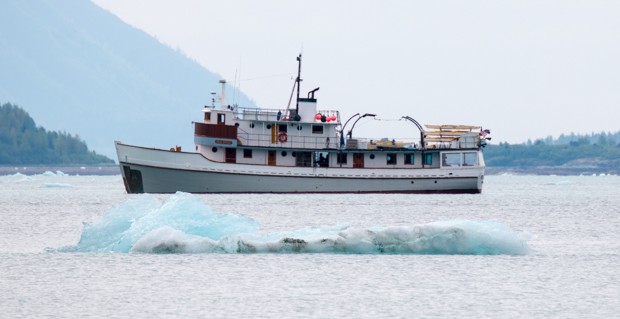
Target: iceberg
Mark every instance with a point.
(184, 224)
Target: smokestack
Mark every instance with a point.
(223, 95)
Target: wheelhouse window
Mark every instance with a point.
(390, 158)
(317, 129)
(341, 158)
(303, 159)
(221, 118)
(451, 159)
(428, 159)
(470, 159)
(247, 153)
(409, 158)
(207, 117)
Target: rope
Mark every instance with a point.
(388, 120)
(265, 77)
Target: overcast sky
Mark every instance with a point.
(524, 69)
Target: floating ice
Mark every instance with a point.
(17, 177)
(184, 224)
(56, 185)
(559, 183)
(50, 173)
(123, 225)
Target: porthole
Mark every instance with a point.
(372, 156)
(237, 124)
(268, 126)
(299, 127)
(283, 153)
(251, 125)
(214, 149)
(294, 154)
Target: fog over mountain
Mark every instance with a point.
(76, 67)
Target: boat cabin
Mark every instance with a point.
(305, 136)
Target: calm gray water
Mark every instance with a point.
(570, 225)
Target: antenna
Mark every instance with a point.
(298, 84)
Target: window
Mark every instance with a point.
(282, 127)
(317, 129)
(451, 159)
(321, 159)
(428, 159)
(207, 117)
(221, 118)
(409, 158)
(247, 153)
(341, 158)
(391, 158)
(303, 159)
(470, 159)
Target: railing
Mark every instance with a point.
(407, 143)
(292, 141)
(259, 114)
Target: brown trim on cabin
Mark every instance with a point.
(215, 130)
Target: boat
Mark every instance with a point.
(301, 149)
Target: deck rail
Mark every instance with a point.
(292, 141)
(260, 114)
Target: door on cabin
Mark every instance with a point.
(271, 158)
(358, 160)
(231, 155)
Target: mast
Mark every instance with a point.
(298, 84)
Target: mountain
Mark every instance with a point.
(78, 68)
(22, 142)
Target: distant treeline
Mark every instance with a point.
(22, 142)
(600, 150)
(602, 138)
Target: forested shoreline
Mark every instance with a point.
(22, 142)
(568, 154)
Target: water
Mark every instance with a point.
(569, 225)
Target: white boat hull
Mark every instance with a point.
(147, 170)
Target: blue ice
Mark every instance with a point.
(184, 224)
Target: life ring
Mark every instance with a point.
(282, 137)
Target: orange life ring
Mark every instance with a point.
(282, 137)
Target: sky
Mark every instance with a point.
(523, 69)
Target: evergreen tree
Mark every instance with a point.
(22, 142)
